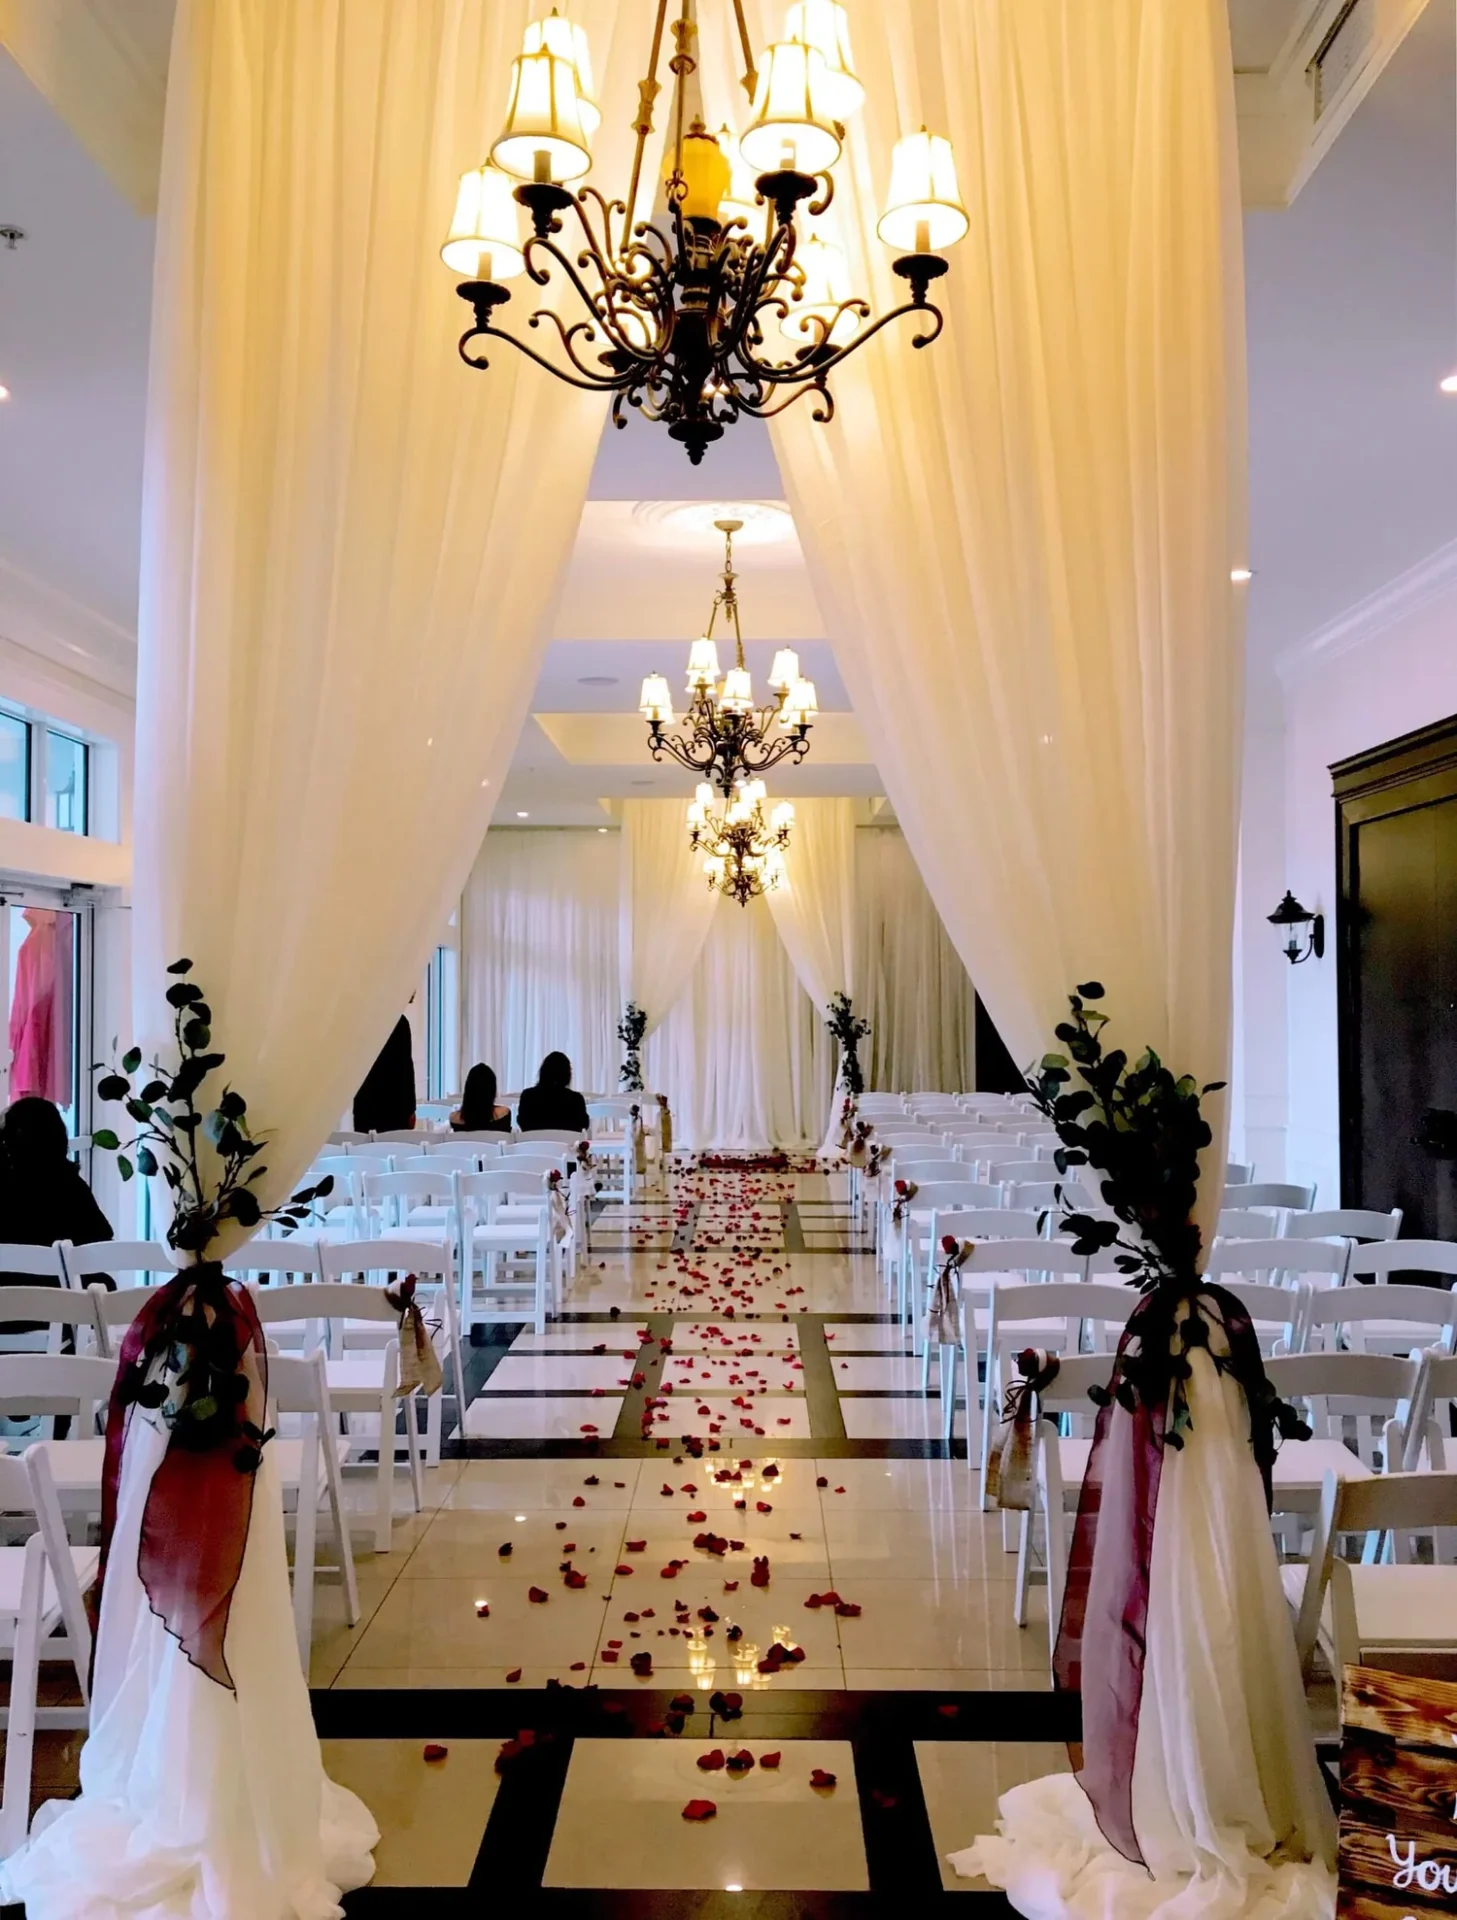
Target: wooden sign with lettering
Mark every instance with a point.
(1398, 1845)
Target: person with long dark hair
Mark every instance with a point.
(43, 1196)
(553, 1102)
(478, 1112)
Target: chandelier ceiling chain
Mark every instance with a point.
(743, 851)
(706, 320)
(724, 736)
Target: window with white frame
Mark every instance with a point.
(45, 772)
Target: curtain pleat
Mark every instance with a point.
(667, 907)
(911, 985)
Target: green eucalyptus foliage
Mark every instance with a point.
(631, 1029)
(848, 1030)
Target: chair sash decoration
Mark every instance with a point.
(420, 1369)
(195, 1357)
(561, 1213)
(1102, 1634)
(859, 1149)
(847, 1124)
(905, 1192)
(943, 1316)
(639, 1144)
(1010, 1462)
(665, 1127)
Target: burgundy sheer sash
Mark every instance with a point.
(1102, 1632)
(195, 1526)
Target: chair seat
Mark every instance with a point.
(352, 1382)
(289, 1458)
(1072, 1460)
(1396, 1606)
(76, 1467)
(1301, 1467)
(12, 1572)
(509, 1237)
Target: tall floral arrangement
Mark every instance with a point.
(848, 1030)
(630, 1031)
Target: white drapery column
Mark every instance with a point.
(351, 542)
(539, 962)
(814, 908)
(1021, 537)
(911, 985)
(667, 906)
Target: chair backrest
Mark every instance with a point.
(1353, 1306)
(298, 1383)
(57, 1307)
(112, 1312)
(1009, 1172)
(51, 1383)
(1041, 1194)
(298, 1259)
(1383, 1258)
(444, 1161)
(1270, 1306)
(1054, 1299)
(380, 1153)
(339, 1166)
(1323, 1258)
(477, 1139)
(145, 1260)
(1386, 1502)
(1249, 1223)
(1430, 1424)
(983, 1223)
(1027, 1256)
(397, 1136)
(1370, 1388)
(540, 1159)
(425, 1258)
(1270, 1193)
(320, 1301)
(1078, 1374)
(939, 1196)
(42, 1263)
(926, 1171)
(538, 1136)
(1349, 1223)
(1238, 1173)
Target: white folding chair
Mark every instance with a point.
(1393, 1609)
(113, 1312)
(498, 1235)
(1279, 1315)
(910, 1237)
(1278, 1261)
(1271, 1193)
(299, 1389)
(1062, 1315)
(1368, 1390)
(1344, 1223)
(1060, 1459)
(407, 1203)
(57, 1307)
(279, 1260)
(1039, 1196)
(1383, 1319)
(144, 1263)
(74, 1386)
(1249, 1223)
(1378, 1262)
(398, 1136)
(36, 1263)
(42, 1617)
(360, 1383)
(1429, 1433)
(961, 1223)
(1238, 1173)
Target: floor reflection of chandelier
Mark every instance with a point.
(743, 851)
(725, 737)
(731, 303)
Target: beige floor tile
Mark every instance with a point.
(465, 1543)
(963, 1780)
(941, 1623)
(757, 1610)
(912, 1486)
(560, 1373)
(547, 1419)
(848, 1336)
(431, 1814)
(434, 1624)
(946, 1544)
(621, 1821)
(943, 1680)
(455, 1679)
(519, 1485)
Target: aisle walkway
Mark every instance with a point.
(723, 1430)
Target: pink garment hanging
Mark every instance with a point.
(40, 1010)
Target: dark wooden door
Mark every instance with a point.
(1397, 957)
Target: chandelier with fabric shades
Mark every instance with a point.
(729, 303)
(743, 850)
(724, 735)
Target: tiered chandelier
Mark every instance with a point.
(739, 306)
(743, 852)
(725, 737)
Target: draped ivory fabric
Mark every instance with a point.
(743, 1056)
(814, 905)
(351, 542)
(102, 64)
(910, 983)
(1021, 537)
(667, 907)
(539, 955)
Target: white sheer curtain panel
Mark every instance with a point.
(351, 542)
(912, 987)
(743, 1057)
(539, 931)
(814, 906)
(1021, 537)
(667, 907)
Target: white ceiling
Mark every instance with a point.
(1353, 317)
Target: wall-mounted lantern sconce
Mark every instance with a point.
(1291, 918)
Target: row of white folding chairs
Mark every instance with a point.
(128, 1262)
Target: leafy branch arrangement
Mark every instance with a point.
(1142, 1128)
(630, 1031)
(169, 1119)
(848, 1030)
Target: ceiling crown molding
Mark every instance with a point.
(1407, 593)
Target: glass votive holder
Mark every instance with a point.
(782, 1637)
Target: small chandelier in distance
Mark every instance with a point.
(743, 852)
(725, 736)
(729, 310)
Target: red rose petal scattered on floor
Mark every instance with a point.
(591, 1481)
(948, 1710)
(711, 1762)
(610, 1655)
(760, 1576)
(885, 1801)
(641, 1664)
(569, 1546)
(435, 1752)
(483, 1610)
(636, 1546)
(839, 1489)
(848, 1610)
(819, 1778)
(740, 1762)
(575, 1580)
(561, 1526)
(682, 1703)
(624, 1568)
(536, 1596)
(504, 1551)
(699, 1810)
(822, 1482)
(730, 1586)
(513, 1676)
(770, 1760)
(578, 1666)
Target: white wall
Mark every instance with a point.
(1386, 667)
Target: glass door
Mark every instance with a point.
(45, 961)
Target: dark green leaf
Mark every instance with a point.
(124, 1166)
(153, 1091)
(105, 1139)
(180, 966)
(131, 1059)
(115, 1086)
(146, 1161)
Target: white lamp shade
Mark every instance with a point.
(755, 792)
(822, 24)
(785, 670)
(791, 127)
(782, 816)
(657, 701)
(703, 795)
(741, 200)
(702, 664)
(737, 695)
(543, 120)
(484, 242)
(569, 42)
(801, 706)
(826, 284)
(923, 213)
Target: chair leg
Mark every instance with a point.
(20, 1721)
(991, 1392)
(305, 1535)
(384, 1486)
(409, 1407)
(343, 1545)
(948, 1393)
(1024, 1567)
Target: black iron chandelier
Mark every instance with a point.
(743, 852)
(738, 307)
(725, 736)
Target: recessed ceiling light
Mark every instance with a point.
(598, 680)
(601, 829)
(1241, 576)
(763, 522)
(523, 816)
(4, 393)
(1449, 385)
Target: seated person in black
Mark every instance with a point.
(43, 1197)
(553, 1102)
(385, 1103)
(478, 1112)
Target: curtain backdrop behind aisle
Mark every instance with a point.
(814, 907)
(1021, 538)
(910, 983)
(667, 907)
(743, 1057)
(351, 542)
(539, 955)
